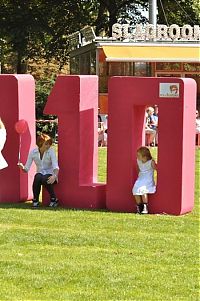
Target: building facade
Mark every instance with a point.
(163, 52)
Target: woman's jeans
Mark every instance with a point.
(40, 180)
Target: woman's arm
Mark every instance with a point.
(54, 177)
(21, 166)
(27, 166)
(54, 162)
(55, 172)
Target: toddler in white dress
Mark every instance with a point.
(3, 162)
(145, 182)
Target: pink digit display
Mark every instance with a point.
(128, 97)
(74, 99)
(17, 97)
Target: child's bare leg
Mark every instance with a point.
(138, 199)
(145, 204)
(145, 198)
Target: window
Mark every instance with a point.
(191, 67)
(166, 66)
(85, 63)
(120, 68)
(142, 69)
(93, 62)
(74, 65)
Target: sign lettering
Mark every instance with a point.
(149, 32)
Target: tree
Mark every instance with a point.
(40, 28)
(64, 19)
(22, 25)
(178, 12)
(169, 12)
(110, 11)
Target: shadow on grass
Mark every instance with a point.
(28, 206)
(24, 205)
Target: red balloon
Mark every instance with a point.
(21, 126)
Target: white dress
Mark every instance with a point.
(145, 181)
(197, 125)
(3, 162)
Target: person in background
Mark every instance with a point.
(100, 130)
(46, 163)
(197, 122)
(99, 116)
(152, 124)
(3, 163)
(155, 117)
(145, 182)
(105, 131)
(150, 134)
(155, 114)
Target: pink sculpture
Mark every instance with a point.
(74, 99)
(128, 97)
(17, 103)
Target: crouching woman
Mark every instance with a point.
(46, 163)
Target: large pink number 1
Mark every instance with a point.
(74, 100)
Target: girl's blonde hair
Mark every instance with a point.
(145, 152)
(2, 126)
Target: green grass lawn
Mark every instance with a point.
(98, 255)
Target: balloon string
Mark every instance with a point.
(20, 143)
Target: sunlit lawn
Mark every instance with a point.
(98, 255)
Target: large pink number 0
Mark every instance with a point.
(128, 97)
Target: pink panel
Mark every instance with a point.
(128, 97)
(17, 102)
(74, 99)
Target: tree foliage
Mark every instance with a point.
(23, 26)
(110, 11)
(40, 28)
(179, 12)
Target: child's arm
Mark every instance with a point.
(2, 138)
(137, 167)
(154, 164)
